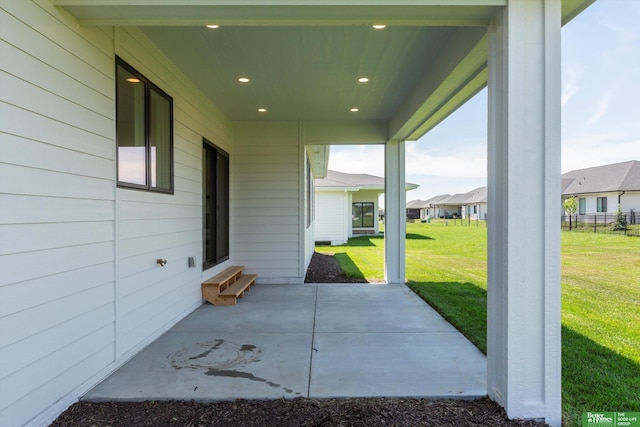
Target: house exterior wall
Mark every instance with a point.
(481, 211)
(309, 213)
(268, 200)
(333, 216)
(57, 218)
(630, 200)
(80, 288)
(149, 226)
(592, 202)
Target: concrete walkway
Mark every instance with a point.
(325, 340)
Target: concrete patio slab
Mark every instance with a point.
(378, 316)
(261, 293)
(312, 340)
(361, 293)
(396, 365)
(251, 316)
(213, 366)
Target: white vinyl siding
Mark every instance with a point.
(154, 226)
(80, 289)
(591, 203)
(266, 201)
(309, 201)
(631, 201)
(57, 216)
(333, 216)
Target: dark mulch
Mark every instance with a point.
(368, 412)
(325, 269)
(355, 412)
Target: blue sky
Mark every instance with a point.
(600, 111)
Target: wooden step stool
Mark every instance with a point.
(227, 286)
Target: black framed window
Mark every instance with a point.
(215, 205)
(309, 193)
(144, 131)
(601, 204)
(362, 215)
(582, 206)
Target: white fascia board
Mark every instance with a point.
(337, 189)
(282, 12)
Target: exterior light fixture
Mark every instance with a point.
(354, 110)
(243, 80)
(213, 26)
(379, 26)
(262, 110)
(363, 79)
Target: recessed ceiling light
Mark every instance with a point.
(363, 79)
(133, 80)
(243, 80)
(213, 26)
(262, 110)
(354, 110)
(379, 26)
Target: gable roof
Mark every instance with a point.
(478, 195)
(435, 200)
(456, 199)
(354, 182)
(417, 204)
(624, 176)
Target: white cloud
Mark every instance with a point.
(471, 163)
(570, 82)
(603, 107)
(357, 159)
(596, 149)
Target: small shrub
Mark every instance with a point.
(620, 224)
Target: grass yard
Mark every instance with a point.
(446, 266)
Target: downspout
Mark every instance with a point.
(620, 198)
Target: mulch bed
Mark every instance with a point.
(354, 412)
(325, 269)
(361, 412)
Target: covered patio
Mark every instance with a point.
(252, 92)
(315, 340)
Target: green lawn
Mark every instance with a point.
(446, 266)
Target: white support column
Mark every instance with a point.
(394, 212)
(523, 366)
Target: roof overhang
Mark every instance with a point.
(304, 58)
(318, 159)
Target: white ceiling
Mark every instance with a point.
(305, 73)
(304, 56)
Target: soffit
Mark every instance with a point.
(304, 73)
(304, 57)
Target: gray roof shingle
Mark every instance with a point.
(624, 176)
(335, 179)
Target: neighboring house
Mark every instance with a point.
(131, 134)
(433, 209)
(476, 204)
(470, 205)
(601, 189)
(346, 206)
(453, 206)
(416, 208)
